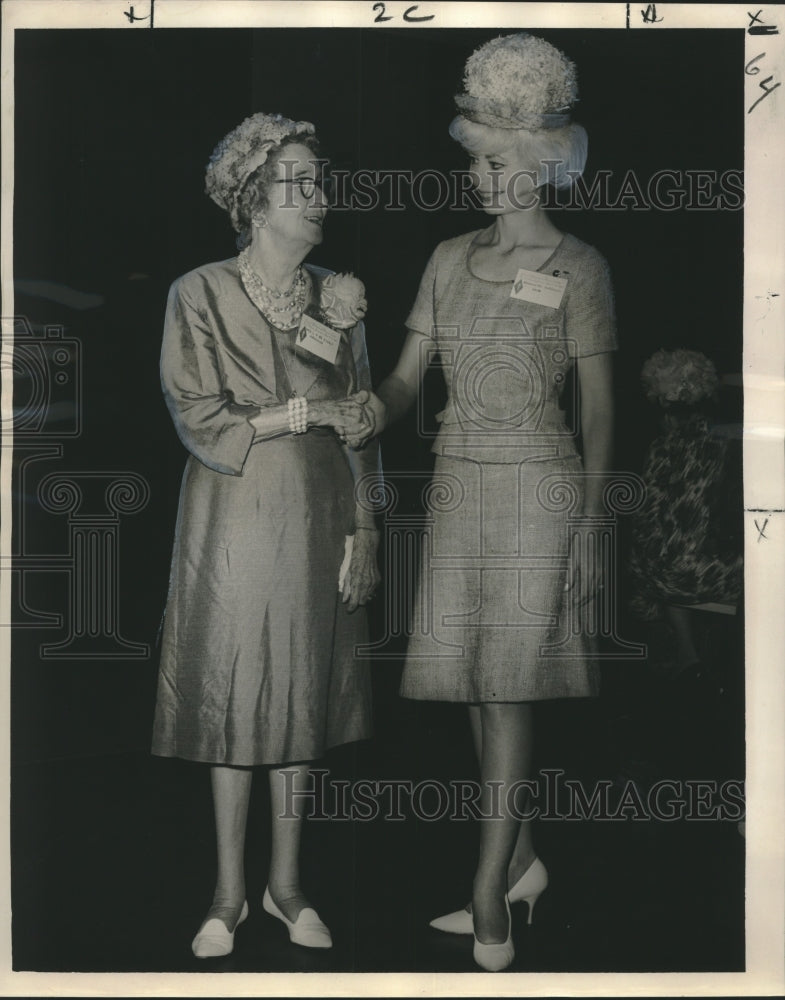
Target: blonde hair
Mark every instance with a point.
(557, 155)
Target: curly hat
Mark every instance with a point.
(518, 81)
(244, 150)
(679, 376)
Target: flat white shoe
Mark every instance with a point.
(307, 930)
(214, 939)
(528, 888)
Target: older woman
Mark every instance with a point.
(510, 309)
(264, 370)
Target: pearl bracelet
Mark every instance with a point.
(298, 414)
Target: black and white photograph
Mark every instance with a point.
(393, 498)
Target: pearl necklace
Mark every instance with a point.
(282, 309)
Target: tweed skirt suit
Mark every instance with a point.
(492, 618)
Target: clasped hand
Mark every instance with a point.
(353, 421)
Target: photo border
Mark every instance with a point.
(764, 484)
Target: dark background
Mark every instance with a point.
(113, 131)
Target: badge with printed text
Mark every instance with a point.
(319, 339)
(542, 289)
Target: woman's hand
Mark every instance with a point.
(362, 577)
(584, 580)
(368, 401)
(347, 417)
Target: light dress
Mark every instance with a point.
(258, 660)
(492, 620)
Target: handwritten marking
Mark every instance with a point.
(421, 17)
(751, 69)
(130, 15)
(147, 17)
(650, 14)
(766, 91)
(381, 15)
(408, 15)
(762, 530)
(757, 27)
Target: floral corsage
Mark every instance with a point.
(342, 301)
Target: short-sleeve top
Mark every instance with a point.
(506, 359)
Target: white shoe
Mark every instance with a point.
(307, 930)
(214, 939)
(496, 957)
(528, 889)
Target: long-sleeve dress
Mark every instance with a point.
(258, 658)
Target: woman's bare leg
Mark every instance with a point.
(287, 820)
(506, 759)
(231, 792)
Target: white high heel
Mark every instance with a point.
(528, 889)
(215, 939)
(496, 957)
(307, 930)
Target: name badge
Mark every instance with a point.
(542, 289)
(319, 339)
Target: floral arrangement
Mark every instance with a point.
(520, 78)
(244, 150)
(679, 376)
(342, 300)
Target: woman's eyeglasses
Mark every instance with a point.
(308, 185)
